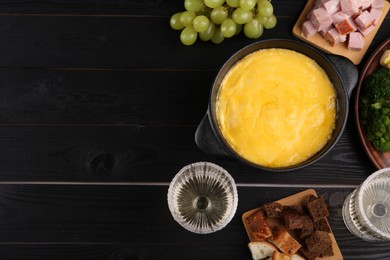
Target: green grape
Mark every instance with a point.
(201, 23)
(187, 17)
(247, 5)
(241, 16)
(217, 37)
(216, 20)
(260, 31)
(214, 3)
(194, 5)
(265, 8)
(228, 28)
(209, 33)
(175, 22)
(219, 14)
(261, 19)
(205, 11)
(270, 22)
(233, 3)
(238, 29)
(253, 29)
(188, 36)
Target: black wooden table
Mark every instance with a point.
(99, 103)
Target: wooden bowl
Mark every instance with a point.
(379, 159)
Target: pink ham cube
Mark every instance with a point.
(342, 38)
(376, 14)
(346, 26)
(378, 4)
(332, 6)
(308, 29)
(339, 17)
(324, 31)
(349, 7)
(366, 31)
(365, 4)
(332, 36)
(355, 41)
(364, 20)
(320, 19)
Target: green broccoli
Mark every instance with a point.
(375, 108)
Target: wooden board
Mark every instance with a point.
(341, 48)
(290, 201)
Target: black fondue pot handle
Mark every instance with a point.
(347, 71)
(206, 140)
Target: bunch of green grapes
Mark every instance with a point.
(216, 20)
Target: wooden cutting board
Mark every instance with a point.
(341, 48)
(291, 201)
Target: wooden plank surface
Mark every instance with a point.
(111, 42)
(60, 96)
(80, 215)
(115, 43)
(149, 154)
(99, 103)
(147, 8)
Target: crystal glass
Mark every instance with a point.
(202, 197)
(366, 211)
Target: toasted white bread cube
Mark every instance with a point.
(261, 250)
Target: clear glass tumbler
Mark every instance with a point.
(202, 197)
(366, 211)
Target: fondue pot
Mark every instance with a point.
(342, 73)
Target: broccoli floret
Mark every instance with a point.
(376, 87)
(375, 108)
(378, 129)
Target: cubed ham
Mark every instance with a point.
(355, 15)
(342, 38)
(377, 4)
(343, 20)
(332, 6)
(339, 16)
(349, 7)
(365, 4)
(355, 41)
(364, 20)
(346, 26)
(332, 36)
(376, 14)
(308, 29)
(366, 31)
(320, 19)
(308, 16)
(324, 31)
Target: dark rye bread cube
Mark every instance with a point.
(328, 252)
(318, 208)
(322, 225)
(307, 199)
(307, 228)
(273, 210)
(318, 242)
(307, 254)
(301, 210)
(293, 219)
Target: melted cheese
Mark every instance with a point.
(276, 108)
